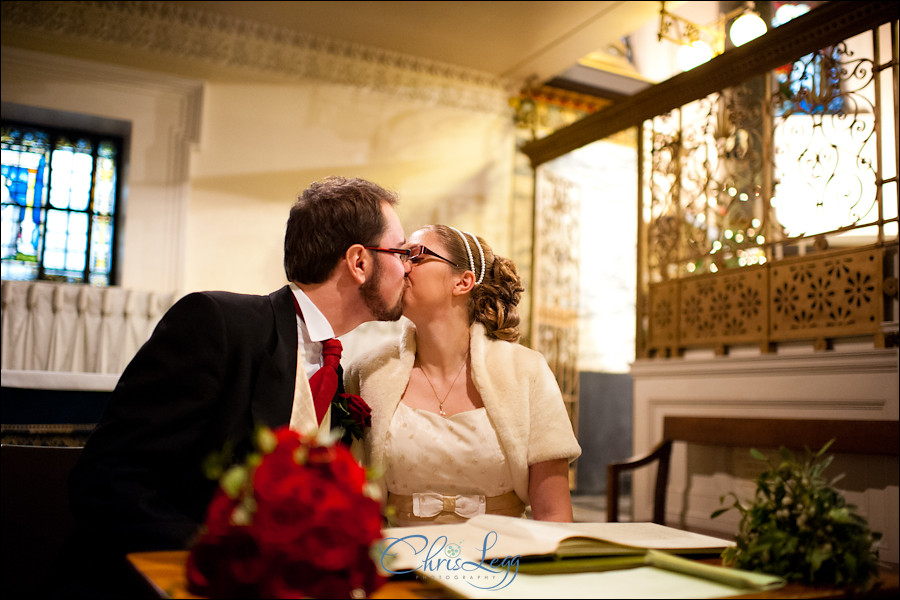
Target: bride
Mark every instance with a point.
(465, 421)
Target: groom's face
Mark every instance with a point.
(383, 291)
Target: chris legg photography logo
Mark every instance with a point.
(442, 559)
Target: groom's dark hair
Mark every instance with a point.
(328, 217)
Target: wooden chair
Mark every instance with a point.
(851, 437)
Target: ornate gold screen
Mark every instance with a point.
(554, 323)
(556, 283)
(770, 207)
(769, 191)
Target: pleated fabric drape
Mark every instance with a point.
(75, 328)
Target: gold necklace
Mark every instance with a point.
(441, 402)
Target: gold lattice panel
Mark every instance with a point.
(663, 311)
(826, 297)
(724, 309)
(814, 297)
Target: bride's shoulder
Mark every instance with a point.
(376, 357)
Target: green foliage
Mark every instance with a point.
(801, 528)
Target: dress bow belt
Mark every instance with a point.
(430, 504)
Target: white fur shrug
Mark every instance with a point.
(520, 395)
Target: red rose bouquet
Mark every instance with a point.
(293, 521)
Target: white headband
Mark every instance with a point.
(469, 252)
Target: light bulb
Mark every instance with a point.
(787, 12)
(694, 55)
(747, 27)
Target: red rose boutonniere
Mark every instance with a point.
(351, 413)
(293, 521)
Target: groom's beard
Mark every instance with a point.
(374, 302)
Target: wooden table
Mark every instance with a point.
(164, 571)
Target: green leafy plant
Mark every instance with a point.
(800, 527)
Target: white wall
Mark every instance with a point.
(263, 143)
(215, 165)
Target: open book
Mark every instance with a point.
(496, 536)
(498, 557)
(487, 537)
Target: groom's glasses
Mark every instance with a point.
(400, 252)
(415, 255)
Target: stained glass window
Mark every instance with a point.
(60, 190)
(811, 84)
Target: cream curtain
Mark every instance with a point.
(75, 328)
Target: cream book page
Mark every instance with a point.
(481, 538)
(488, 537)
(650, 536)
(523, 537)
(404, 549)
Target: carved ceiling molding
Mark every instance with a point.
(176, 32)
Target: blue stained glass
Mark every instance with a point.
(24, 186)
(58, 205)
(810, 85)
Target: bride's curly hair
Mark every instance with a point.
(494, 301)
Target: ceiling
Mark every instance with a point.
(517, 41)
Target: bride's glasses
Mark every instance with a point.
(419, 253)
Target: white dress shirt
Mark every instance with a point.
(312, 330)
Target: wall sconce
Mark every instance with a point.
(699, 43)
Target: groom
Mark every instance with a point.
(220, 364)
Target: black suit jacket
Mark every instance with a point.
(217, 365)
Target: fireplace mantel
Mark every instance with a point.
(859, 384)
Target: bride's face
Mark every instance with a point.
(430, 279)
